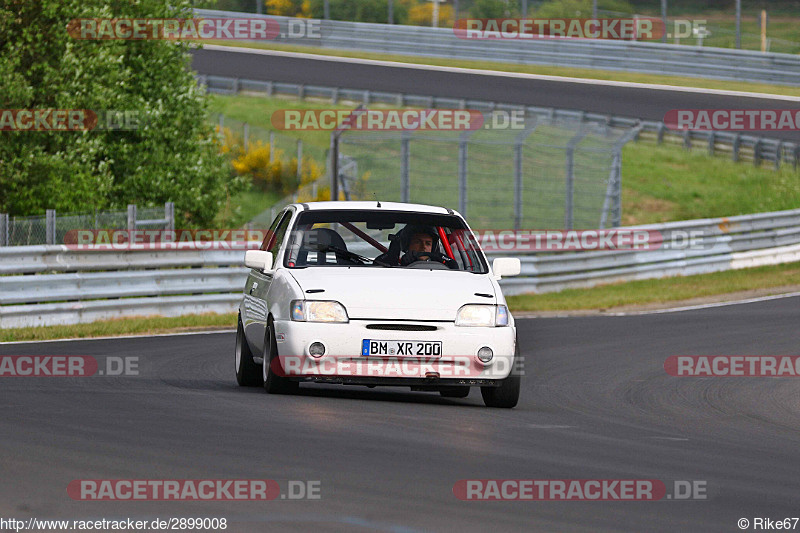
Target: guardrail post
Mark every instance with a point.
(271, 146)
(463, 153)
(687, 139)
(50, 226)
(333, 166)
(405, 156)
(169, 215)
(270, 88)
(570, 176)
(712, 139)
(301, 92)
(757, 153)
(737, 141)
(365, 99)
(300, 161)
(569, 190)
(796, 156)
(235, 86)
(661, 130)
(4, 229)
(221, 122)
(519, 142)
(778, 155)
(335, 95)
(131, 217)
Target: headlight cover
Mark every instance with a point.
(318, 311)
(480, 315)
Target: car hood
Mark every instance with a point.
(394, 293)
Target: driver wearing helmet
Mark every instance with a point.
(421, 243)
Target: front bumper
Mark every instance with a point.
(343, 363)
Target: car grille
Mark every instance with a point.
(402, 327)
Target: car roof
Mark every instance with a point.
(372, 205)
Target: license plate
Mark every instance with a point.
(404, 348)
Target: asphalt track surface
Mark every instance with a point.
(637, 102)
(596, 404)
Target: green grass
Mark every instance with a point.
(666, 182)
(595, 74)
(122, 326)
(672, 289)
(256, 111)
(244, 206)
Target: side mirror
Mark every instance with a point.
(506, 267)
(258, 259)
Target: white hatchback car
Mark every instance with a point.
(377, 293)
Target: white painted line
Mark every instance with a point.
(709, 305)
(212, 332)
(532, 315)
(498, 73)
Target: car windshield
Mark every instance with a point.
(383, 239)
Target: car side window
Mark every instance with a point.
(280, 234)
(269, 238)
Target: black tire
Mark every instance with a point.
(455, 392)
(248, 373)
(506, 395)
(273, 383)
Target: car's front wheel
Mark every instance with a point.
(507, 394)
(248, 374)
(273, 382)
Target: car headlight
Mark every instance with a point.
(479, 315)
(501, 317)
(318, 311)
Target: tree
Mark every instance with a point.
(173, 155)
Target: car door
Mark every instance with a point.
(258, 283)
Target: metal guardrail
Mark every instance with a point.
(651, 58)
(717, 244)
(740, 147)
(60, 286)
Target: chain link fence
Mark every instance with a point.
(238, 134)
(51, 228)
(284, 146)
(550, 172)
